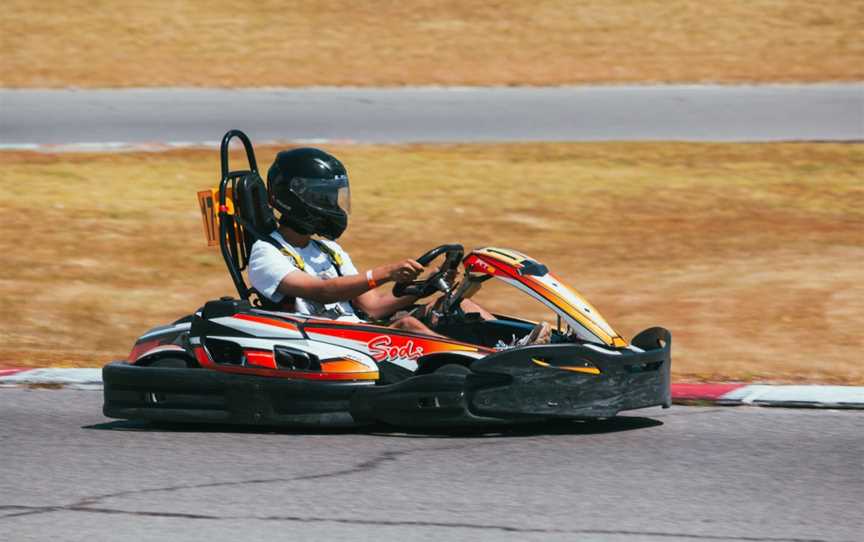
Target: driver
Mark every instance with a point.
(309, 188)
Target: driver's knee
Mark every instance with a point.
(469, 306)
(410, 323)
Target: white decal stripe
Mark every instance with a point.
(256, 328)
(472, 355)
(340, 341)
(410, 364)
(163, 348)
(602, 350)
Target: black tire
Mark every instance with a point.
(453, 369)
(172, 363)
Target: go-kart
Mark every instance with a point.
(242, 360)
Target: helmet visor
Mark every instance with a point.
(343, 199)
(326, 194)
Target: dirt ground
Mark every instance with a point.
(751, 254)
(99, 43)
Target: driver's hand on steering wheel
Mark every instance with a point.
(404, 271)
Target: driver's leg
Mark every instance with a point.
(426, 315)
(466, 305)
(410, 323)
(469, 306)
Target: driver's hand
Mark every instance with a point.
(404, 271)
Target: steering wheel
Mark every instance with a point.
(435, 282)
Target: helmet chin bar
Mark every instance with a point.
(332, 227)
(300, 228)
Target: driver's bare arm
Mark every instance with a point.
(299, 284)
(380, 303)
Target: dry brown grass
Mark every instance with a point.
(751, 254)
(99, 43)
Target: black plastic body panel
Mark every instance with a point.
(207, 396)
(628, 380)
(226, 306)
(435, 400)
(485, 332)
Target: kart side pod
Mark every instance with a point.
(510, 386)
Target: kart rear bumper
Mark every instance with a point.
(207, 396)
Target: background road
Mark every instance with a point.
(683, 112)
(685, 474)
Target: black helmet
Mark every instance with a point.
(310, 189)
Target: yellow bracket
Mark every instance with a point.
(572, 368)
(208, 202)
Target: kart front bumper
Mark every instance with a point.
(528, 383)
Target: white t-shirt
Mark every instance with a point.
(268, 266)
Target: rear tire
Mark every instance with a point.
(172, 363)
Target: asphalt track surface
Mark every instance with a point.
(684, 474)
(673, 112)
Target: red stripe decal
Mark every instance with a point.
(141, 347)
(202, 357)
(266, 321)
(260, 358)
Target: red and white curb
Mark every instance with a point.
(851, 397)
(770, 395)
(74, 378)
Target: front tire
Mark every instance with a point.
(453, 369)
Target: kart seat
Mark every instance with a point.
(253, 210)
(255, 221)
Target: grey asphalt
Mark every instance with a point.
(684, 474)
(673, 112)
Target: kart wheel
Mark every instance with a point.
(172, 363)
(453, 369)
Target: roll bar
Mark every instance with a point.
(231, 238)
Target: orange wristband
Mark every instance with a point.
(369, 280)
